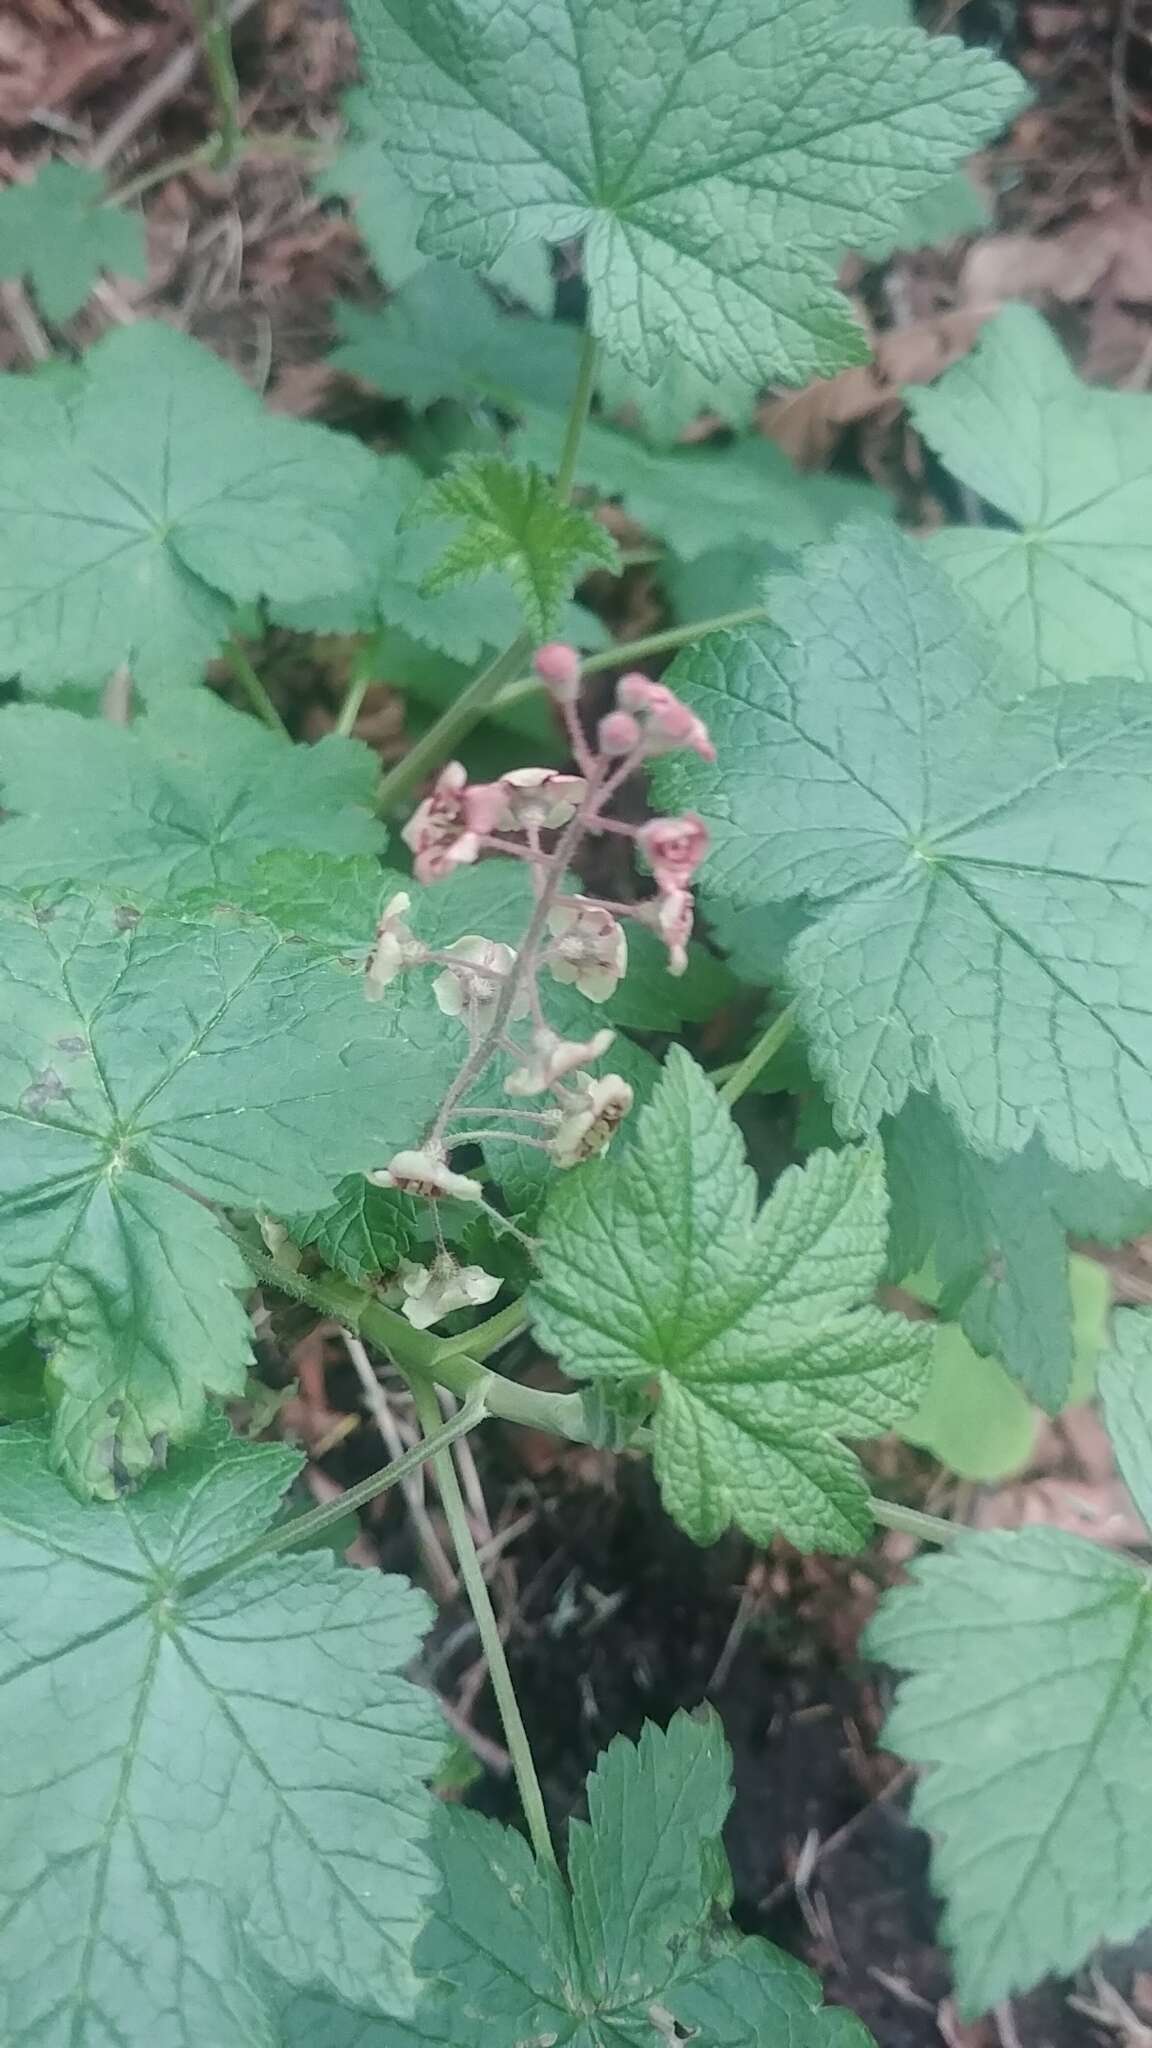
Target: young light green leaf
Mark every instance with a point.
(187, 1833)
(1030, 1702)
(443, 336)
(1125, 1381)
(185, 798)
(655, 1267)
(145, 495)
(511, 519)
(701, 500)
(980, 876)
(1067, 586)
(635, 1954)
(997, 1231)
(153, 1067)
(389, 213)
(59, 233)
(717, 161)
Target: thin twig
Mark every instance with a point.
(116, 701)
(444, 1581)
(24, 321)
(164, 86)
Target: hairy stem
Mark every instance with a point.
(759, 1055)
(451, 1361)
(437, 744)
(215, 34)
(622, 652)
(354, 697)
(303, 1527)
(261, 703)
(578, 413)
(912, 1522)
(480, 1600)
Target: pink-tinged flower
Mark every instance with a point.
(667, 722)
(427, 1173)
(590, 950)
(552, 1057)
(673, 918)
(440, 833)
(395, 949)
(559, 666)
(536, 796)
(674, 848)
(473, 989)
(617, 734)
(432, 1292)
(591, 1122)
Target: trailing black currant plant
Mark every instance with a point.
(279, 1025)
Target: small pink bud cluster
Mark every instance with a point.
(490, 987)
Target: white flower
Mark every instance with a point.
(395, 949)
(593, 1119)
(552, 1057)
(540, 797)
(426, 1173)
(591, 948)
(474, 992)
(431, 1292)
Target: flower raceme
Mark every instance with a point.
(539, 816)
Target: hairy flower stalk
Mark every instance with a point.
(576, 940)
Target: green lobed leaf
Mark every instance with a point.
(1067, 585)
(225, 1785)
(1125, 1381)
(184, 799)
(679, 396)
(364, 1233)
(389, 213)
(997, 1231)
(153, 1067)
(978, 875)
(59, 232)
(634, 1956)
(443, 336)
(703, 500)
(145, 494)
(1030, 1702)
(512, 519)
(656, 1267)
(717, 161)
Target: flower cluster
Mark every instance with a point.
(539, 816)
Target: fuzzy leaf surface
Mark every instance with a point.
(635, 1955)
(1030, 1700)
(149, 1063)
(56, 232)
(243, 1785)
(511, 519)
(145, 494)
(1125, 1382)
(656, 1267)
(979, 875)
(185, 798)
(1068, 586)
(717, 159)
(997, 1232)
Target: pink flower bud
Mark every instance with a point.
(618, 733)
(667, 722)
(559, 666)
(674, 848)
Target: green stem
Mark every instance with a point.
(578, 413)
(622, 652)
(354, 697)
(253, 688)
(289, 1535)
(248, 150)
(421, 1356)
(476, 1587)
(911, 1522)
(759, 1054)
(438, 743)
(216, 41)
(484, 1338)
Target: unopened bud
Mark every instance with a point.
(618, 733)
(558, 665)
